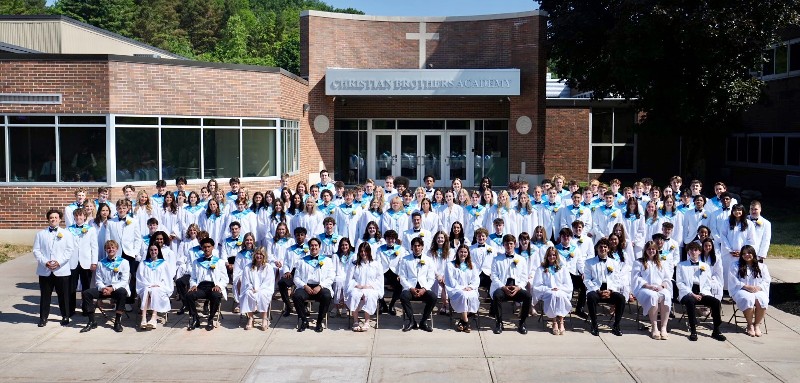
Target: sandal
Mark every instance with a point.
(249, 324)
(460, 326)
(466, 327)
(664, 335)
(555, 329)
(655, 335)
(750, 330)
(236, 310)
(757, 330)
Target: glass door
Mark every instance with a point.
(409, 157)
(432, 159)
(385, 156)
(456, 162)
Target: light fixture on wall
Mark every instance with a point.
(306, 108)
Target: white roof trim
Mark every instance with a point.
(416, 19)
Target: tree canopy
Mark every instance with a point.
(258, 32)
(686, 64)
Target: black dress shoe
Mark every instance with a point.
(193, 324)
(89, 327)
(65, 322)
(210, 326)
(425, 327)
(181, 311)
(616, 331)
(318, 328)
(498, 328)
(409, 326)
(522, 329)
(287, 311)
(718, 336)
(302, 326)
(693, 337)
(594, 331)
(118, 326)
(581, 314)
(392, 311)
(42, 322)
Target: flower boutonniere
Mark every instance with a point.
(663, 257)
(422, 262)
(116, 269)
(396, 253)
(488, 249)
(320, 264)
(422, 234)
(614, 215)
(305, 250)
(59, 235)
(408, 212)
(672, 248)
(128, 221)
(477, 213)
(580, 240)
(759, 222)
(594, 209)
(238, 243)
(212, 266)
(330, 212)
(334, 240)
(610, 269)
(516, 262)
(702, 268)
(84, 230)
(555, 210)
(580, 211)
(353, 212)
(705, 215)
(571, 254)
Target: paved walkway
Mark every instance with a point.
(172, 354)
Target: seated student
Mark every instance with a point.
(762, 230)
(313, 280)
(111, 280)
(243, 259)
(748, 283)
(364, 286)
(417, 273)
(602, 280)
(53, 248)
(207, 281)
(552, 284)
(257, 287)
(652, 287)
(390, 253)
(154, 282)
(294, 254)
(694, 282)
(509, 277)
(462, 279)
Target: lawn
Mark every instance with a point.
(785, 218)
(9, 252)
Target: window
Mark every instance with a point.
(290, 146)
(32, 153)
(2, 149)
(83, 153)
(782, 60)
(613, 142)
(221, 153)
(773, 151)
(350, 151)
(491, 150)
(137, 154)
(180, 153)
(258, 148)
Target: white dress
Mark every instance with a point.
(342, 265)
(743, 298)
(258, 285)
(456, 279)
(150, 274)
(652, 276)
(371, 274)
(555, 303)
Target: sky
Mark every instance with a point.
(435, 7)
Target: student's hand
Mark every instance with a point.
(279, 264)
(93, 267)
(308, 289)
(193, 288)
(287, 275)
(317, 290)
(216, 289)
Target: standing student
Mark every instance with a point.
(161, 190)
(144, 210)
(103, 195)
(762, 230)
(80, 199)
(84, 259)
(53, 249)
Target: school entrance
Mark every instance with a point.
(446, 149)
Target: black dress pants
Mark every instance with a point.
(46, 286)
(300, 297)
(617, 299)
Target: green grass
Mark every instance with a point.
(785, 228)
(9, 252)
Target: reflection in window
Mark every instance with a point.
(290, 146)
(32, 153)
(2, 151)
(221, 153)
(137, 154)
(491, 156)
(350, 154)
(258, 148)
(180, 153)
(83, 153)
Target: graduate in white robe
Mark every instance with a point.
(462, 279)
(552, 284)
(748, 284)
(364, 282)
(257, 288)
(154, 285)
(652, 286)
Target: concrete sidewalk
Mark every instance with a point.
(172, 354)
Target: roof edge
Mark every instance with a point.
(429, 19)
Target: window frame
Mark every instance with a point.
(772, 49)
(760, 136)
(613, 144)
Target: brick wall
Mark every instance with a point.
(100, 87)
(369, 44)
(567, 143)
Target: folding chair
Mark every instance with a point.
(205, 302)
(108, 301)
(739, 320)
(374, 317)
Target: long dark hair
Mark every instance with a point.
(97, 217)
(365, 248)
(635, 208)
(460, 236)
(743, 265)
(341, 243)
(377, 235)
(732, 221)
(171, 207)
(295, 208)
(467, 260)
(255, 206)
(278, 217)
(167, 241)
(217, 213)
(712, 255)
(619, 251)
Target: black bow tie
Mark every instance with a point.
(314, 256)
(509, 255)
(52, 229)
(537, 202)
(586, 204)
(698, 211)
(328, 235)
(481, 245)
(726, 209)
(417, 256)
(639, 198)
(603, 260)
(417, 230)
(348, 206)
(367, 195)
(753, 219)
(694, 263)
(208, 258)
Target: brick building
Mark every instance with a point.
(454, 97)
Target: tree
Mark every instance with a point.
(203, 21)
(158, 23)
(113, 15)
(686, 64)
(23, 7)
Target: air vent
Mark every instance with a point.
(149, 55)
(30, 98)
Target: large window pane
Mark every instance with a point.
(781, 59)
(766, 150)
(180, 153)
(221, 153)
(602, 122)
(752, 150)
(258, 148)
(383, 124)
(793, 159)
(623, 158)
(137, 154)
(495, 154)
(601, 157)
(495, 125)
(420, 124)
(794, 57)
(457, 124)
(731, 155)
(624, 121)
(83, 154)
(350, 155)
(769, 62)
(779, 151)
(32, 152)
(2, 151)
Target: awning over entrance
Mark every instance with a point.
(422, 82)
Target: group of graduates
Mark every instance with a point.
(342, 247)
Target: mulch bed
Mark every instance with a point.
(785, 297)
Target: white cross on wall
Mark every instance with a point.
(423, 38)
